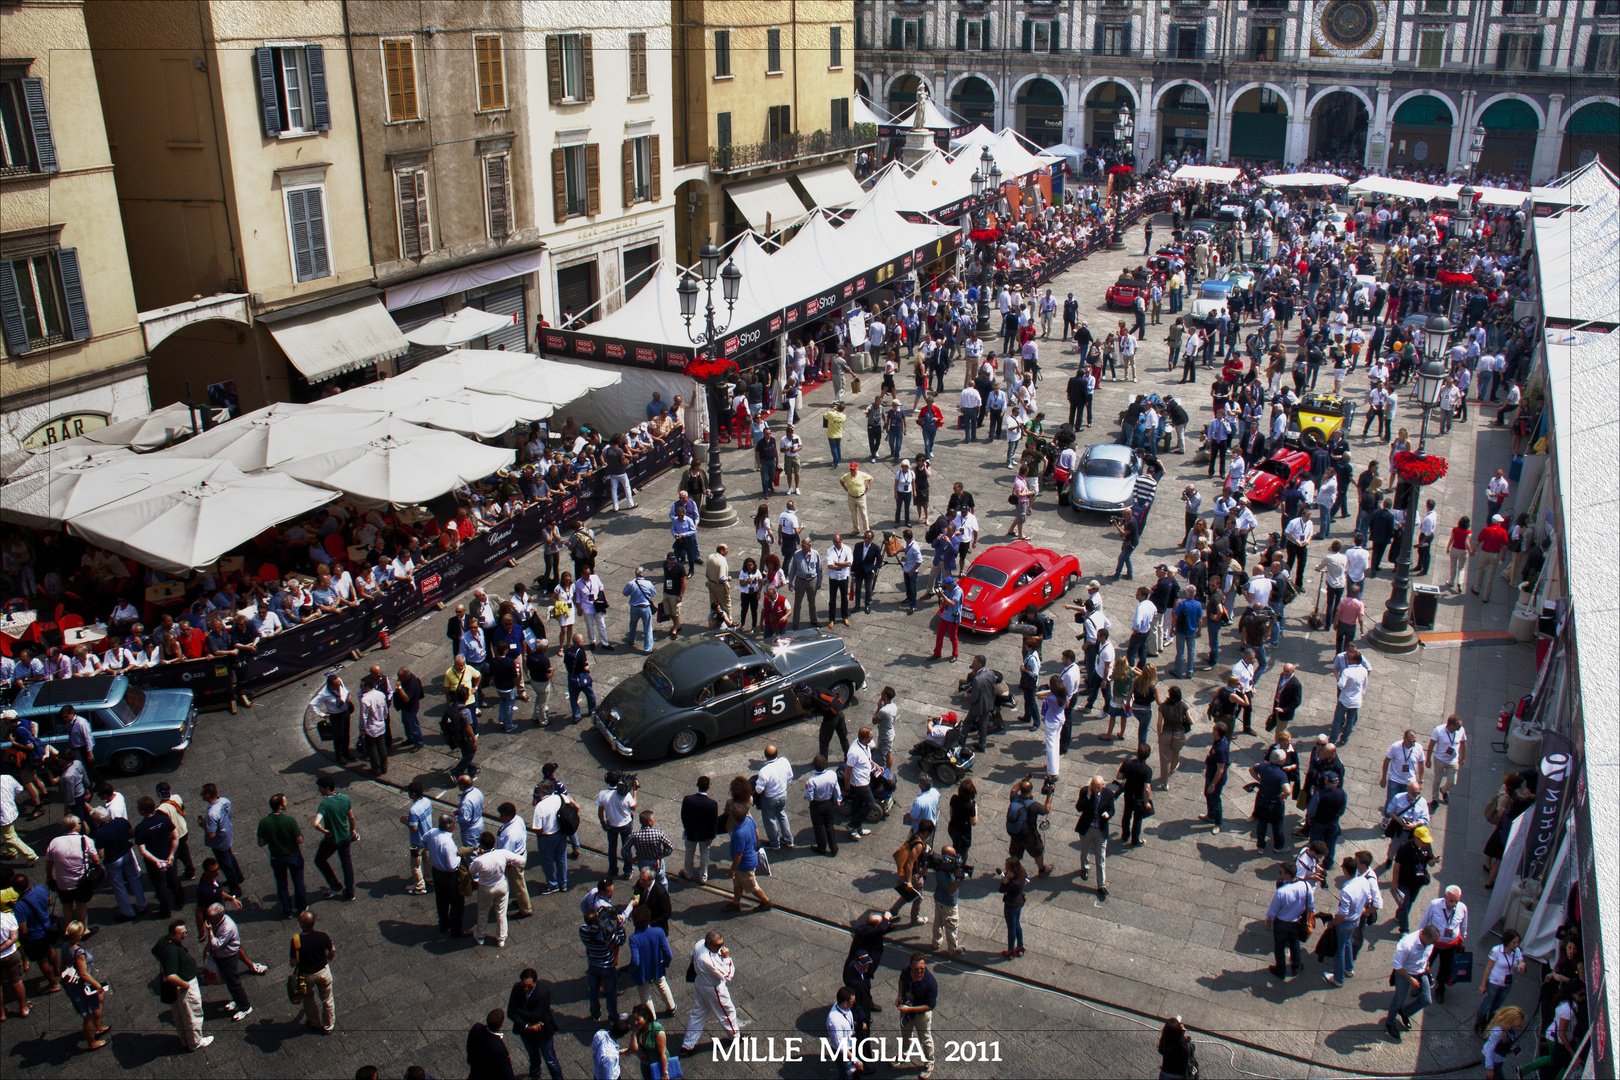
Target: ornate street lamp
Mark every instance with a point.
(716, 513)
(1124, 129)
(1436, 336)
(1475, 149)
(1394, 632)
(986, 188)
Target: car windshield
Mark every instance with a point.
(128, 709)
(1103, 466)
(989, 575)
(659, 680)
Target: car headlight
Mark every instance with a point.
(614, 716)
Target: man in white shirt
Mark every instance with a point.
(840, 560)
(1356, 561)
(967, 529)
(1355, 896)
(1403, 763)
(1141, 628)
(550, 842)
(374, 724)
(787, 529)
(1352, 684)
(1410, 973)
(615, 811)
(1427, 524)
(858, 779)
(1447, 753)
(771, 786)
(1298, 534)
(1447, 915)
(711, 996)
(841, 1032)
(971, 405)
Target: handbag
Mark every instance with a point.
(209, 970)
(655, 1069)
(94, 873)
(691, 971)
(465, 885)
(1462, 967)
(297, 982)
(323, 729)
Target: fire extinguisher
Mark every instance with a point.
(382, 638)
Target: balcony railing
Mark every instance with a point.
(740, 156)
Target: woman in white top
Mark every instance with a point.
(762, 530)
(905, 482)
(1505, 1026)
(749, 583)
(562, 607)
(85, 662)
(1505, 961)
(117, 659)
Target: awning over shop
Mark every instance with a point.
(831, 186)
(768, 205)
(1309, 179)
(324, 344)
(462, 279)
(1401, 189)
(1212, 174)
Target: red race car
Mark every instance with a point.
(1123, 293)
(1267, 480)
(1007, 578)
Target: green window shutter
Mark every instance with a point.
(1125, 40)
(264, 62)
(961, 34)
(11, 316)
(67, 265)
(315, 62)
(897, 34)
(1029, 36)
(984, 35)
(1198, 49)
(1172, 41)
(1501, 53)
(1057, 45)
(1535, 50)
(1097, 38)
(39, 121)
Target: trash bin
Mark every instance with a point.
(1425, 605)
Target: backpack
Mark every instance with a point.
(1017, 818)
(935, 529)
(568, 818)
(583, 543)
(1285, 586)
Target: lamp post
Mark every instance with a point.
(1476, 148)
(716, 513)
(1394, 632)
(986, 182)
(1124, 128)
(1436, 336)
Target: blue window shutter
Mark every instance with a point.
(67, 265)
(317, 232)
(11, 316)
(315, 62)
(298, 222)
(264, 60)
(39, 122)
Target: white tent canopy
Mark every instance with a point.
(862, 111)
(1401, 189)
(934, 183)
(194, 518)
(398, 463)
(550, 381)
(46, 499)
(979, 136)
(458, 327)
(831, 186)
(769, 205)
(1213, 174)
(933, 117)
(470, 412)
(1305, 179)
(1494, 196)
(266, 437)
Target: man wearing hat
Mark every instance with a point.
(856, 484)
(950, 615)
(1488, 547)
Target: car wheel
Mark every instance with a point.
(685, 741)
(946, 774)
(128, 762)
(1311, 439)
(844, 691)
(1069, 583)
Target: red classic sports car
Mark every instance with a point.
(1123, 293)
(1007, 578)
(1268, 479)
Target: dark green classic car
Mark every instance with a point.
(719, 685)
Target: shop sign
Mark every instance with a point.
(63, 428)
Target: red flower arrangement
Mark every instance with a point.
(985, 236)
(1452, 277)
(707, 370)
(1419, 470)
(1121, 170)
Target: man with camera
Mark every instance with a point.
(911, 862)
(949, 872)
(1024, 822)
(615, 810)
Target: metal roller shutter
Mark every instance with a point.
(507, 300)
(408, 319)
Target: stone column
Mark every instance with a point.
(1549, 143)
(1456, 156)
(1299, 127)
(1147, 121)
(1378, 131)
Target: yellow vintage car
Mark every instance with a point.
(1317, 417)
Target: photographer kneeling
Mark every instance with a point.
(911, 861)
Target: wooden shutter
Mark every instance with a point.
(1125, 40)
(722, 129)
(628, 160)
(320, 108)
(961, 34)
(1535, 50)
(399, 74)
(1097, 41)
(559, 186)
(298, 222)
(593, 179)
(67, 266)
(984, 35)
(39, 122)
(1502, 52)
(491, 73)
(1198, 48)
(264, 61)
(1055, 43)
(922, 33)
(554, 70)
(410, 237)
(11, 315)
(897, 34)
(638, 65)
(1592, 52)
(498, 197)
(1172, 42)
(654, 167)
(316, 212)
(588, 66)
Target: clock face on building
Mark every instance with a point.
(1349, 27)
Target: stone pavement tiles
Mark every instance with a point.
(1183, 930)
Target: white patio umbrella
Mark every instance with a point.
(192, 520)
(469, 367)
(147, 431)
(457, 327)
(548, 381)
(257, 440)
(24, 463)
(392, 395)
(402, 464)
(46, 499)
(469, 412)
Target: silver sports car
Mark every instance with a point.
(1105, 479)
